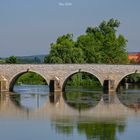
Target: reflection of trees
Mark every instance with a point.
(63, 127)
(82, 100)
(92, 130)
(102, 131)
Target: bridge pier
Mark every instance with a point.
(3, 84)
(55, 96)
(55, 85)
(109, 85)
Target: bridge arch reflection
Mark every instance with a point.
(58, 108)
(82, 90)
(128, 90)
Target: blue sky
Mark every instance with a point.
(28, 27)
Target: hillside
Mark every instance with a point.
(31, 59)
(39, 59)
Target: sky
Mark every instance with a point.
(28, 27)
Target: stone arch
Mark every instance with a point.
(17, 75)
(123, 76)
(85, 71)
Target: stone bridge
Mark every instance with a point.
(56, 75)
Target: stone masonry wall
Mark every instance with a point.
(63, 71)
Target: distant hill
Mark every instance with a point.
(31, 59)
(133, 52)
(2, 61)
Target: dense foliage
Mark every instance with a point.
(98, 45)
(133, 78)
(82, 79)
(31, 78)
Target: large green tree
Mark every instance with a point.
(98, 45)
(109, 48)
(64, 51)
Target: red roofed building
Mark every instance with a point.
(135, 57)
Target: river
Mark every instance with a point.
(32, 113)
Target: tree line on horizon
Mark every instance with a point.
(22, 60)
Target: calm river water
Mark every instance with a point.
(35, 114)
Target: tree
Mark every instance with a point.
(98, 45)
(64, 51)
(90, 48)
(109, 47)
(11, 60)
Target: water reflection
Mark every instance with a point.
(103, 121)
(53, 105)
(31, 89)
(101, 116)
(102, 131)
(82, 100)
(130, 96)
(29, 101)
(91, 129)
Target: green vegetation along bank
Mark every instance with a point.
(83, 79)
(31, 78)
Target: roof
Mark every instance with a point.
(134, 55)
